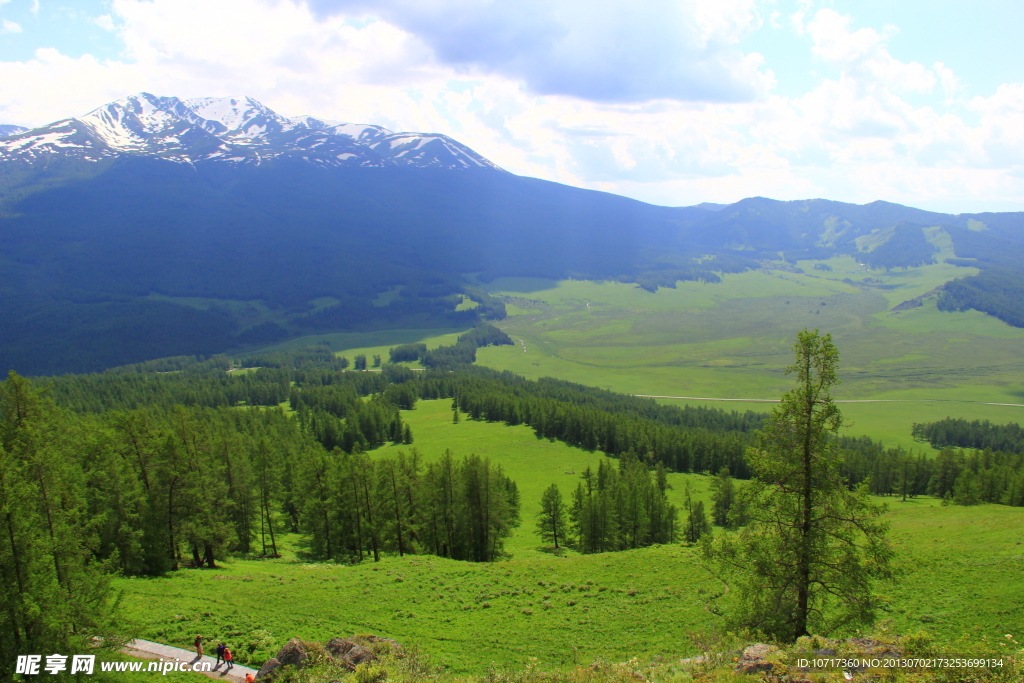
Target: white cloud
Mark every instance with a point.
(8, 26)
(105, 22)
(609, 52)
(857, 136)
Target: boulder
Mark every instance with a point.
(754, 658)
(268, 667)
(358, 649)
(294, 653)
(349, 652)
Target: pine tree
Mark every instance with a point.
(697, 524)
(723, 496)
(551, 524)
(54, 596)
(808, 560)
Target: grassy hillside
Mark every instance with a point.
(534, 464)
(963, 568)
(734, 339)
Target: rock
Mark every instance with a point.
(294, 653)
(268, 667)
(358, 649)
(339, 647)
(350, 652)
(755, 658)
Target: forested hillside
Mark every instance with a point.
(997, 291)
(905, 246)
(133, 256)
(144, 469)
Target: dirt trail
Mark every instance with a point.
(147, 649)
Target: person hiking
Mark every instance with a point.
(249, 678)
(229, 658)
(198, 643)
(220, 653)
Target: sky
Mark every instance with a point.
(672, 102)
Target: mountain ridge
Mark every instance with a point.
(233, 130)
(112, 226)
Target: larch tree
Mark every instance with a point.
(723, 495)
(813, 549)
(697, 524)
(551, 521)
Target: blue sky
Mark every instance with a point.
(669, 101)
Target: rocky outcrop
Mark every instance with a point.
(755, 659)
(348, 653)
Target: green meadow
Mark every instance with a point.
(734, 339)
(351, 344)
(534, 464)
(961, 566)
(961, 580)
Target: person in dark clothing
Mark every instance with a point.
(220, 653)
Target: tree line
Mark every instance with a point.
(974, 434)
(998, 291)
(356, 506)
(616, 507)
(331, 403)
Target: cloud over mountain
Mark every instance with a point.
(659, 49)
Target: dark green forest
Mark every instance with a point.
(998, 292)
(146, 468)
(906, 247)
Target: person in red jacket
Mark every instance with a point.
(229, 658)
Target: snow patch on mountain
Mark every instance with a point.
(238, 130)
(9, 129)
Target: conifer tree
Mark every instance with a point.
(551, 521)
(813, 550)
(723, 495)
(54, 596)
(697, 524)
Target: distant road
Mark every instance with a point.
(851, 400)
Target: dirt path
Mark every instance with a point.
(146, 649)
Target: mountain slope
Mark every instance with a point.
(154, 209)
(234, 130)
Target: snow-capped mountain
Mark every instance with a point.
(233, 130)
(7, 129)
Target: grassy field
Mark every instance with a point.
(962, 579)
(351, 344)
(962, 565)
(734, 339)
(534, 464)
